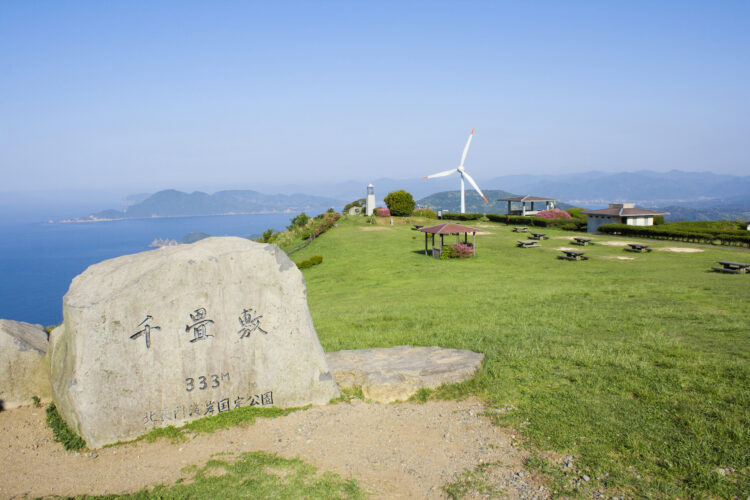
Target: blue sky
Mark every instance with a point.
(140, 96)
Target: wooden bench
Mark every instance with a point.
(732, 267)
(572, 255)
(638, 247)
(520, 229)
(581, 241)
(527, 244)
(538, 236)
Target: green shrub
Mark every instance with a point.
(576, 213)
(312, 261)
(457, 216)
(427, 213)
(668, 231)
(658, 220)
(63, 434)
(446, 252)
(574, 224)
(400, 203)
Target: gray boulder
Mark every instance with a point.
(23, 368)
(171, 335)
(396, 373)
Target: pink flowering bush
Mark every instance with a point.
(554, 213)
(460, 251)
(382, 212)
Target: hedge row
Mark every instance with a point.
(729, 238)
(312, 261)
(574, 224)
(457, 216)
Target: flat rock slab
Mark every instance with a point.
(396, 373)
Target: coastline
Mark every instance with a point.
(90, 220)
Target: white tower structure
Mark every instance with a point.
(370, 205)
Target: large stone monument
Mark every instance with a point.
(23, 367)
(171, 335)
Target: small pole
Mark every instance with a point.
(474, 242)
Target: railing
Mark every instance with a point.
(302, 245)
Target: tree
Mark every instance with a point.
(299, 221)
(356, 203)
(400, 203)
(266, 238)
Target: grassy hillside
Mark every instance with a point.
(640, 369)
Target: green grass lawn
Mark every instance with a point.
(638, 368)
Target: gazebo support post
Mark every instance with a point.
(474, 243)
(426, 235)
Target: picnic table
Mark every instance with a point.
(520, 229)
(581, 241)
(638, 247)
(572, 255)
(732, 267)
(527, 244)
(538, 236)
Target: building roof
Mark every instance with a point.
(526, 198)
(448, 228)
(624, 212)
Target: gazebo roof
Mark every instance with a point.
(448, 228)
(624, 212)
(526, 198)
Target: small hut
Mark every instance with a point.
(448, 228)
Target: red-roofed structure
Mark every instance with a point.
(620, 213)
(448, 228)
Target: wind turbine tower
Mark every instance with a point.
(463, 173)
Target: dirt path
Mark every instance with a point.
(394, 451)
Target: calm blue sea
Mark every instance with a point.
(38, 260)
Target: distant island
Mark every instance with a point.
(173, 203)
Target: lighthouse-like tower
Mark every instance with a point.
(370, 205)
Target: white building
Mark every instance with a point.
(370, 202)
(620, 213)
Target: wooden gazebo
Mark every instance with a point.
(449, 228)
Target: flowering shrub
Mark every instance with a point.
(554, 213)
(382, 212)
(460, 251)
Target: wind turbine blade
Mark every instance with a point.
(466, 149)
(440, 174)
(471, 181)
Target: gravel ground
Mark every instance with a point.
(403, 450)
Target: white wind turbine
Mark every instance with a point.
(463, 173)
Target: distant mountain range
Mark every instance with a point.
(589, 190)
(171, 203)
(451, 201)
(686, 195)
